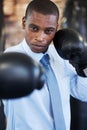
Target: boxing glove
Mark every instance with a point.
(71, 46)
(19, 75)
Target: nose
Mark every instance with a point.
(40, 36)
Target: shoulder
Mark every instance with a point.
(55, 58)
(16, 48)
(53, 53)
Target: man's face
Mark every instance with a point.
(39, 30)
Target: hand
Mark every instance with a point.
(71, 46)
(19, 75)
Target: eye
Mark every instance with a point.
(50, 31)
(33, 28)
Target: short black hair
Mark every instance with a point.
(45, 7)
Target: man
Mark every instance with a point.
(34, 112)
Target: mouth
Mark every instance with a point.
(38, 48)
(38, 45)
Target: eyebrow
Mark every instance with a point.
(39, 27)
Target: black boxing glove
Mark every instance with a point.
(71, 46)
(19, 75)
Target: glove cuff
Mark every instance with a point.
(85, 71)
(81, 71)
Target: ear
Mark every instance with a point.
(23, 22)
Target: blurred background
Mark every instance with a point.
(11, 33)
(11, 13)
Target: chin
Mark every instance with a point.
(40, 51)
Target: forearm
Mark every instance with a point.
(78, 87)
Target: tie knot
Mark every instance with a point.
(45, 60)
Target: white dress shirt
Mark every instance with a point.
(33, 112)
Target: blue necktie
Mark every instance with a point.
(54, 94)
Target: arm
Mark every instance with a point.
(70, 46)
